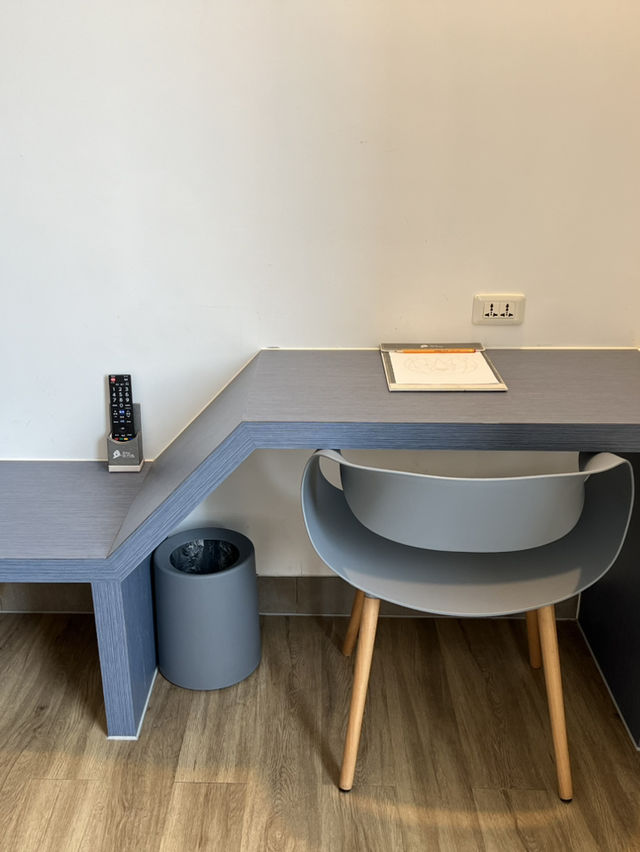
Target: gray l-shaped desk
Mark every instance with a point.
(75, 522)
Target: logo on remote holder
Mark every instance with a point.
(124, 454)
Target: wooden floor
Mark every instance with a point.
(456, 753)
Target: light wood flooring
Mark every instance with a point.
(456, 753)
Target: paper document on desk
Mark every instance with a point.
(439, 366)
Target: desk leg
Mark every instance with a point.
(609, 619)
(126, 645)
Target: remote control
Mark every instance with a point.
(121, 407)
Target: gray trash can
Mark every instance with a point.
(206, 600)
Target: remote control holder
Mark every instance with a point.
(126, 456)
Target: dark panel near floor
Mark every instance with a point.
(610, 619)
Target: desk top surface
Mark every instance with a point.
(545, 386)
(62, 509)
(77, 510)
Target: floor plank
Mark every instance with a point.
(204, 816)
(366, 818)
(455, 755)
(52, 815)
(531, 819)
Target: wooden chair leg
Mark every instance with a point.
(533, 637)
(370, 609)
(549, 645)
(354, 624)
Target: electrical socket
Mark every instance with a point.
(498, 309)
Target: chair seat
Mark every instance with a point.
(463, 583)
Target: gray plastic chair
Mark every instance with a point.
(467, 547)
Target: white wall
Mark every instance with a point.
(184, 183)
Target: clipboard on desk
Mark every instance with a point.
(439, 367)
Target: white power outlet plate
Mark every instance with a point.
(498, 309)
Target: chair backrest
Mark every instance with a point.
(482, 515)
